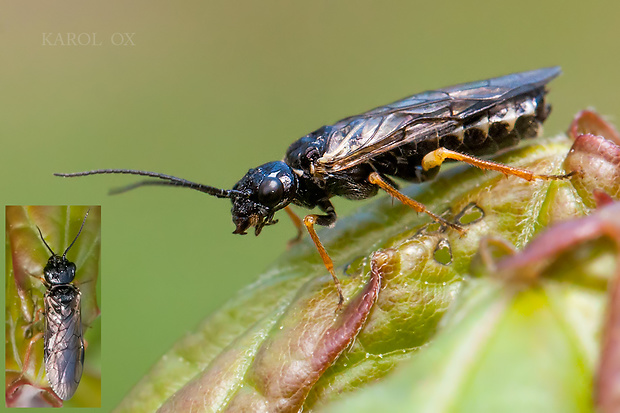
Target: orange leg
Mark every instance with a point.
(298, 224)
(309, 222)
(376, 179)
(436, 158)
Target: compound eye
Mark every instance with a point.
(71, 271)
(270, 191)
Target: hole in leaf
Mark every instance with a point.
(471, 214)
(437, 227)
(443, 252)
(432, 228)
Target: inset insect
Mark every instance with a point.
(359, 155)
(63, 340)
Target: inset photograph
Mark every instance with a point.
(53, 323)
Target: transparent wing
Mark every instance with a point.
(354, 140)
(64, 345)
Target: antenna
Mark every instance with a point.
(43, 239)
(148, 182)
(78, 234)
(166, 180)
(75, 239)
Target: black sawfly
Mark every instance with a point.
(358, 155)
(63, 338)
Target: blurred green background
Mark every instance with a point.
(209, 89)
